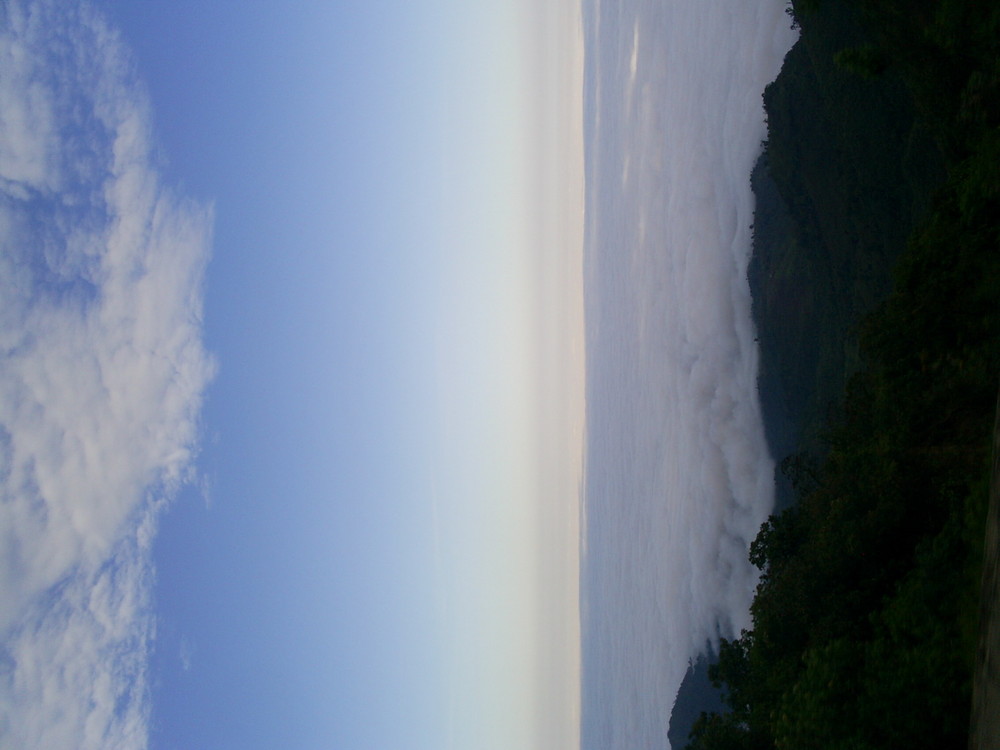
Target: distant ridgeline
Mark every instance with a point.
(876, 287)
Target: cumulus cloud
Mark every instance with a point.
(102, 372)
(678, 474)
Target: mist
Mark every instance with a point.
(678, 477)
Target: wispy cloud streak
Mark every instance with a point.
(102, 372)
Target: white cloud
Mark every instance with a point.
(678, 473)
(102, 372)
(185, 654)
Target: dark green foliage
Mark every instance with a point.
(847, 172)
(876, 285)
(867, 60)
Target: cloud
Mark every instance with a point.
(678, 474)
(185, 654)
(102, 372)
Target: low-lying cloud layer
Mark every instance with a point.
(678, 477)
(102, 372)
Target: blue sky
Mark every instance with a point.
(292, 367)
(292, 389)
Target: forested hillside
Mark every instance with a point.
(876, 285)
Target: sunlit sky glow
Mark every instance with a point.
(377, 545)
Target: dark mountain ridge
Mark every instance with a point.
(876, 295)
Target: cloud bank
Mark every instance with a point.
(678, 477)
(102, 372)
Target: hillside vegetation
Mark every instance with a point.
(876, 284)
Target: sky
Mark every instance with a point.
(291, 388)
